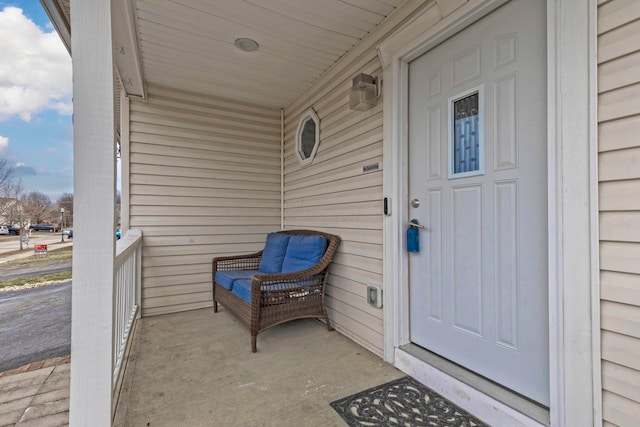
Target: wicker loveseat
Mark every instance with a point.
(283, 282)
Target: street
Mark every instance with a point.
(35, 324)
(36, 270)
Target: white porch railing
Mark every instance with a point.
(126, 295)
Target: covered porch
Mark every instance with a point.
(209, 126)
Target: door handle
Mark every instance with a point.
(415, 223)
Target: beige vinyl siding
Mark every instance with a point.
(619, 200)
(205, 182)
(334, 194)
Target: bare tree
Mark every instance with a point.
(7, 185)
(39, 207)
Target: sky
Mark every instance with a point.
(36, 132)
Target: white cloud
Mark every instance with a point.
(4, 143)
(35, 71)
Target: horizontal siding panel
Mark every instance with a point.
(357, 183)
(191, 182)
(620, 195)
(238, 130)
(179, 117)
(621, 349)
(174, 270)
(619, 164)
(616, 14)
(621, 318)
(361, 317)
(231, 172)
(205, 211)
(181, 156)
(366, 222)
(172, 98)
(619, 73)
(620, 380)
(178, 155)
(181, 298)
(339, 198)
(619, 42)
(143, 222)
(620, 287)
(620, 226)
(175, 308)
(620, 256)
(363, 263)
(202, 140)
(220, 194)
(357, 208)
(164, 291)
(619, 410)
(619, 134)
(165, 200)
(208, 229)
(361, 334)
(365, 277)
(187, 279)
(175, 241)
(619, 103)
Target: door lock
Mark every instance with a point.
(415, 203)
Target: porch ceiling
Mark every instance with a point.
(189, 44)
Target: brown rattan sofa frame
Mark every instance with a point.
(276, 298)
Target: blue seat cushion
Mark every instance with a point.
(242, 288)
(226, 279)
(303, 252)
(273, 253)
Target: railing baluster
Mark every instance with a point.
(125, 307)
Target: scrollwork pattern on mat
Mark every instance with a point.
(403, 402)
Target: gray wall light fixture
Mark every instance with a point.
(364, 92)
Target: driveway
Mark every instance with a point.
(35, 324)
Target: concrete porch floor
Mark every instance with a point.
(196, 369)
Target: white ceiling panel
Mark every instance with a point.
(189, 44)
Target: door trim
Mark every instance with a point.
(572, 196)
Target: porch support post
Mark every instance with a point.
(573, 213)
(94, 220)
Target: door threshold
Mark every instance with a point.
(483, 398)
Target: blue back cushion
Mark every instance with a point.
(303, 252)
(273, 254)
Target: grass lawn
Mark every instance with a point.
(54, 256)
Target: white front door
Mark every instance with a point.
(478, 183)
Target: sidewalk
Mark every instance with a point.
(29, 252)
(36, 394)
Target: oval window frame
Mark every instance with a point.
(304, 119)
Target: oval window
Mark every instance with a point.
(308, 137)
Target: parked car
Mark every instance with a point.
(13, 229)
(118, 234)
(4, 229)
(44, 227)
(68, 232)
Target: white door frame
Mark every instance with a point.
(574, 337)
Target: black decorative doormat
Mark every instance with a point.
(402, 402)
